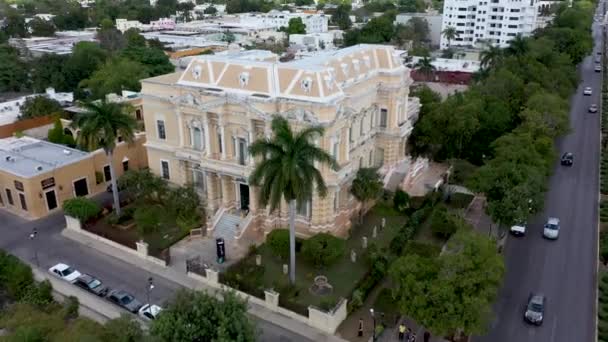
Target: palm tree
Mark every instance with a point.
(425, 67)
(100, 125)
(490, 56)
(450, 34)
(518, 46)
(366, 187)
(287, 170)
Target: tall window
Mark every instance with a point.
(336, 200)
(198, 179)
(22, 200)
(164, 169)
(335, 150)
(9, 197)
(197, 138)
(160, 129)
(106, 173)
(219, 142)
(383, 117)
(303, 209)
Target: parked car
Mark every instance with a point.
(598, 68)
(567, 159)
(535, 309)
(124, 300)
(598, 59)
(91, 284)
(150, 312)
(65, 272)
(518, 229)
(593, 108)
(551, 229)
(587, 91)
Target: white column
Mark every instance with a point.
(180, 124)
(223, 140)
(267, 130)
(207, 133)
(251, 138)
(347, 153)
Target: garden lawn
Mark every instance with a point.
(344, 274)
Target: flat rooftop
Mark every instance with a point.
(28, 157)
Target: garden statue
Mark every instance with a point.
(364, 242)
(375, 232)
(258, 260)
(383, 222)
(285, 269)
(353, 256)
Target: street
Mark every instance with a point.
(51, 247)
(564, 270)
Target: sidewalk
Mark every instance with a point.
(177, 274)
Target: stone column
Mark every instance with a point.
(226, 190)
(180, 126)
(223, 140)
(211, 193)
(207, 136)
(251, 139)
(267, 129)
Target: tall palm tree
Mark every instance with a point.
(425, 67)
(100, 125)
(450, 34)
(287, 170)
(366, 187)
(490, 56)
(518, 46)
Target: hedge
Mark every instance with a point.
(81, 208)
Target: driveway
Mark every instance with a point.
(52, 248)
(564, 270)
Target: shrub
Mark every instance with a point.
(15, 276)
(422, 249)
(148, 218)
(323, 249)
(278, 241)
(39, 295)
(70, 307)
(442, 223)
(401, 201)
(81, 208)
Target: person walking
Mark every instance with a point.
(402, 330)
(427, 336)
(412, 337)
(360, 333)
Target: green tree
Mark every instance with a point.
(115, 75)
(42, 28)
(425, 66)
(341, 16)
(296, 26)
(100, 125)
(518, 46)
(40, 105)
(450, 34)
(228, 37)
(196, 316)
(153, 59)
(13, 70)
(85, 59)
(14, 24)
(287, 170)
(366, 187)
(490, 56)
(144, 186)
(110, 38)
(56, 135)
(123, 329)
(48, 71)
(211, 10)
(323, 249)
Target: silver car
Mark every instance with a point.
(551, 229)
(535, 309)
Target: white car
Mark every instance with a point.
(551, 229)
(518, 229)
(587, 91)
(149, 312)
(65, 272)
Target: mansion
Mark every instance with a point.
(201, 121)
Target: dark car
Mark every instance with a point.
(91, 284)
(535, 309)
(125, 300)
(568, 159)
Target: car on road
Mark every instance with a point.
(598, 68)
(65, 272)
(91, 284)
(518, 229)
(598, 59)
(567, 159)
(587, 91)
(551, 228)
(593, 108)
(150, 312)
(535, 309)
(124, 300)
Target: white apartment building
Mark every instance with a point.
(494, 21)
(124, 25)
(315, 23)
(313, 41)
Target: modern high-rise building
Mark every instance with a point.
(493, 21)
(201, 122)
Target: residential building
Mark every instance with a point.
(315, 22)
(161, 24)
(447, 70)
(61, 44)
(313, 41)
(433, 19)
(37, 176)
(201, 121)
(124, 25)
(493, 21)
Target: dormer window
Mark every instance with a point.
(244, 79)
(197, 71)
(307, 84)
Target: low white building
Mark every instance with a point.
(61, 44)
(313, 41)
(124, 25)
(433, 19)
(10, 110)
(315, 22)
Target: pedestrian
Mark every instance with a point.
(360, 334)
(402, 330)
(427, 336)
(408, 333)
(412, 337)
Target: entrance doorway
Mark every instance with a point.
(244, 191)
(81, 188)
(51, 200)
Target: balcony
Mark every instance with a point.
(187, 153)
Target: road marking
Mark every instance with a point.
(553, 329)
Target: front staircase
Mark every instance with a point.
(226, 226)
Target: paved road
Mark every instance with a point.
(52, 248)
(564, 270)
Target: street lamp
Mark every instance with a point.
(149, 288)
(371, 311)
(32, 236)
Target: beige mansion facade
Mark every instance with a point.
(200, 122)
